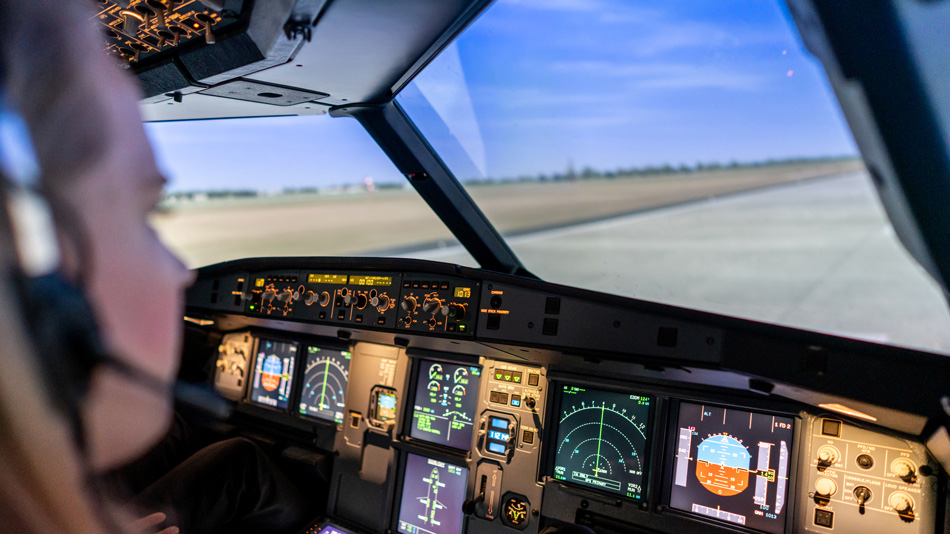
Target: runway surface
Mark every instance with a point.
(819, 255)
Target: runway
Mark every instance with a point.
(819, 255)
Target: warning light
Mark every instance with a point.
(462, 327)
(252, 307)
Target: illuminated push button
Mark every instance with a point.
(497, 448)
(527, 437)
(825, 487)
(824, 518)
(533, 379)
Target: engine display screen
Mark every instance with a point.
(602, 440)
(444, 408)
(732, 465)
(432, 497)
(273, 373)
(323, 389)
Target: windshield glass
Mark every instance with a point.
(690, 153)
(285, 186)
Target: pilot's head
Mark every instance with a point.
(99, 176)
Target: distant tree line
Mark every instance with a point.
(587, 173)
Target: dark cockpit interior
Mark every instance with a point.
(422, 397)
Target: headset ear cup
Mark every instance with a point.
(67, 341)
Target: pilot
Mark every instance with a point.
(106, 268)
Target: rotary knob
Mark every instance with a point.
(309, 298)
(349, 299)
(903, 504)
(381, 303)
(827, 456)
(285, 297)
(431, 305)
(905, 469)
(268, 295)
(824, 489)
(324, 298)
(409, 304)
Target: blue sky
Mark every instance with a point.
(598, 83)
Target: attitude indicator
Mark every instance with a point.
(323, 389)
(602, 439)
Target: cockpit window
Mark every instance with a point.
(690, 153)
(285, 186)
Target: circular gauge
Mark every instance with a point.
(460, 374)
(434, 386)
(601, 440)
(435, 372)
(458, 391)
(323, 392)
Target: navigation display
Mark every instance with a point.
(323, 389)
(273, 373)
(732, 465)
(432, 497)
(444, 410)
(602, 440)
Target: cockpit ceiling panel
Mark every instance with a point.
(360, 51)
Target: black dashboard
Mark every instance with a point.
(451, 400)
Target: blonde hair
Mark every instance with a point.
(43, 486)
(44, 483)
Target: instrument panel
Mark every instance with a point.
(459, 434)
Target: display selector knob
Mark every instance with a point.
(905, 469)
(382, 302)
(827, 455)
(825, 487)
(409, 304)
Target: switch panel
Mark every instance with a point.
(865, 482)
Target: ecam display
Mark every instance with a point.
(445, 402)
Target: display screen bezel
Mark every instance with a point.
(294, 379)
(553, 423)
(408, 419)
(669, 460)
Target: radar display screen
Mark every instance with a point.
(732, 465)
(444, 410)
(602, 440)
(273, 373)
(323, 391)
(432, 497)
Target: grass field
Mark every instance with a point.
(354, 224)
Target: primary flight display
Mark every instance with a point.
(732, 465)
(273, 373)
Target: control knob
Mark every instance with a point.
(309, 298)
(285, 297)
(431, 305)
(824, 489)
(324, 298)
(349, 299)
(268, 296)
(381, 303)
(827, 456)
(903, 504)
(905, 469)
(409, 304)
(454, 311)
